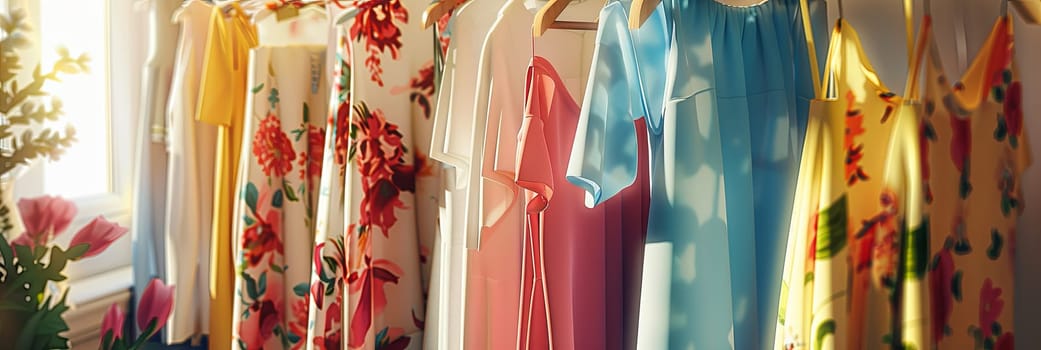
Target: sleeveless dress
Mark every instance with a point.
(854, 270)
(724, 146)
(975, 149)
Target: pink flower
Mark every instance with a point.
(155, 305)
(990, 306)
(45, 217)
(113, 322)
(98, 235)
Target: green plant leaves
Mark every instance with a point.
(77, 251)
(41, 330)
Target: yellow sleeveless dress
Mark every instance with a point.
(976, 150)
(847, 284)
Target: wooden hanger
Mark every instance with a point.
(640, 11)
(547, 16)
(435, 11)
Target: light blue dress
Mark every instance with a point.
(726, 92)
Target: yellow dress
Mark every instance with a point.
(976, 146)
(222, 101)
(848, 281)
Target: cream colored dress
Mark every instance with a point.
(189, 191)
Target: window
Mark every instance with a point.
(95, 172)
(80, 26)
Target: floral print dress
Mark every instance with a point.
(854, 268)
(377, 200)
(279, 173)
(973, 140)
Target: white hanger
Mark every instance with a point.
(176, 18)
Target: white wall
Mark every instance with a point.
(880, 24)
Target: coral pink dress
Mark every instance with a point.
(582, 248)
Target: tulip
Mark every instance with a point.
(113, 322)
(98, 235)
(44, 217)
(155, 305)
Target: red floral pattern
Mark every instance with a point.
(310, 161)
(1013, 109)
(342, 134)
(379, 153)
(991, 306)
(961, 141)
(368, 283)
(375, 25)
(298, 323)
(941, 298)
(272, 148)
(326, 291)
(854, 150)
(265, 315)
(263, 236)
(1005, 342)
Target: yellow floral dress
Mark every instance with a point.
(976, 151)
(847, 284)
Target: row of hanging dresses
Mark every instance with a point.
(724, 143)
(881, 252)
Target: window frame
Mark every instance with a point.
(110, 272)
